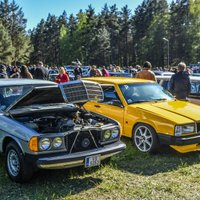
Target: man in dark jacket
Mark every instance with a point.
(180, 85)
(77, 70)
(40, 72)
(3, 73)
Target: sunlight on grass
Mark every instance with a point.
(129, 175)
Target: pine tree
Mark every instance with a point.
(6, 48)
(193, 32)
(38, 39)
(178, 32)
(125, 36)
(149, 26)
(13, 20)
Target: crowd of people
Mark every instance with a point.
(179, 83)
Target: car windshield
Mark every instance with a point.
(144, 92)
(10, 94)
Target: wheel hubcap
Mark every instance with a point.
(13, 163)
(143, 138)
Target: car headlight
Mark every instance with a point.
(115, 133)
(44, 144)
(107, 134)
(57, 142)
(186, 128)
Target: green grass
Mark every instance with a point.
(130, 175)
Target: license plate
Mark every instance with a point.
(92, 161)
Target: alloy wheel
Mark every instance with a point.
(143, 138)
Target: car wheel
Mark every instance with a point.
(16, 166)
(145, 138)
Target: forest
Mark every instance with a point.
(113, 36)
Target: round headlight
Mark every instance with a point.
(115, 133)
(57, 142)
(107, 134)
(44, 144)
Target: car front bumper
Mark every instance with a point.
(182, 144)
(78, 159)
(178, 141)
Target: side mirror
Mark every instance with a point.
(117, 103)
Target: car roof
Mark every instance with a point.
(192, 78)
(21, 81)
(118, 80)
(163, 72)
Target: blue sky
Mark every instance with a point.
(35, 10)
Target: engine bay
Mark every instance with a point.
(60, 120)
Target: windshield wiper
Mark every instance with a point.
(150, 100)
(140, 101)
(159, 99)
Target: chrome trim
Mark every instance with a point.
(78, 159)
(70, 164)
(93, 139)
(78, 133)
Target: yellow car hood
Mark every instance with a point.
(177, 111)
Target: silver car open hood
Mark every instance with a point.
(69, 92)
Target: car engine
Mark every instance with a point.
(54, 122)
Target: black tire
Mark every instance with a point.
(145, 138)
(18, 169)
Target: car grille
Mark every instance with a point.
(81, 91)
(82, 141)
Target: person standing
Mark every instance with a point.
(93, 71)
(40, 72)
(25, 72)
(15, 72)
(77, 70)
(105, 72)
(180, 85)
(62, 77)
(146, 72)
(3, 73)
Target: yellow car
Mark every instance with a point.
(149, 114)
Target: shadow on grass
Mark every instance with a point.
(165, 160)
(48, 184)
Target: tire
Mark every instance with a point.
(18, 169)
(145, 138)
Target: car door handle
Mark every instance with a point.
(97, 106)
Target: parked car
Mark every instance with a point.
(195, 74)
(52, 77)
(70, 71)
(161, 73)
(41, 128)
(120, 74)
(194, 96)
(69, 68)
(149, 114)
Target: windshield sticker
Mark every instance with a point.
(129, 101)
(126, 87)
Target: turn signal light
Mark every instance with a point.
(33, 144)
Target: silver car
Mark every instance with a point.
(43, 125)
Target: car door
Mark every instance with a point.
(111, 105)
